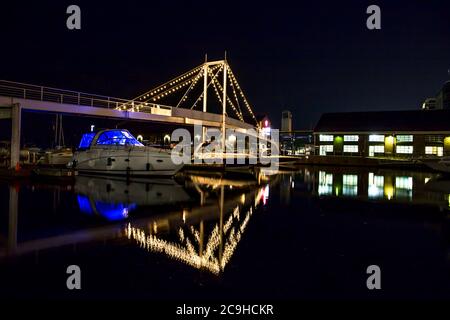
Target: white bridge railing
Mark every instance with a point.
(40, 93)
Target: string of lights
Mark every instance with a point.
(189, 81)
(169, 83)
(241, 93)
(232, 232)
(240, 116)
(234, 93)
(219, 67)
(193, 84)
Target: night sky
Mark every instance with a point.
(306, 56)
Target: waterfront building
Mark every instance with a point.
(443, 97)
(297, 142)
(440, 101)
(294, 142)
(286, 121)
(388, 134)
(429, 104)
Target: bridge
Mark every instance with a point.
(176, 102)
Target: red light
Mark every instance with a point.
(266, 123)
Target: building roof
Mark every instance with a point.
(385, 121)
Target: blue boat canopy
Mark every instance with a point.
(86, 140)
(109, 137)
(118, 138)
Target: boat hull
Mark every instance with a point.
(125, 161)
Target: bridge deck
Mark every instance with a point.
(38, 98)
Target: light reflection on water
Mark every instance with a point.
(200, 220)
(378, 184)
(204, 245)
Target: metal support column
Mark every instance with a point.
(224, 102)
(205, 96)
(13, 213)
(15, 135)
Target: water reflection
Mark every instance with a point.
(211, 251)
(200, 219)
(374, 184)
(325, 183)
(206, 244)
(115, 198)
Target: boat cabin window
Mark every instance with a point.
(86, 140)
(118, 138)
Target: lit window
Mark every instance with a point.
(351, 137)
(376, 138)
(378, 149)
(326, 137)
(350, 148)
(404, 149)
(405, 138)
(325, 148)
(375, 149)
(350, 179)
(434, 138)
(434, 150)
(404, 183)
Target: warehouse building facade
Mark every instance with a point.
(387, 134)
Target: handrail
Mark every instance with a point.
(49, 94)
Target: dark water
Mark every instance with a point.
(292, 235)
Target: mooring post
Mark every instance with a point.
(16, 114)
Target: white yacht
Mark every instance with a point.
(117, 152)
(58, 156)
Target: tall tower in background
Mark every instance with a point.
(286, 121)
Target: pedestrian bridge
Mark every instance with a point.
(40, 98)
(175, 102)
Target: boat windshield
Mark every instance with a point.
(86, 140)
(118, 138)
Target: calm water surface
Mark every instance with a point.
(293, 235)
